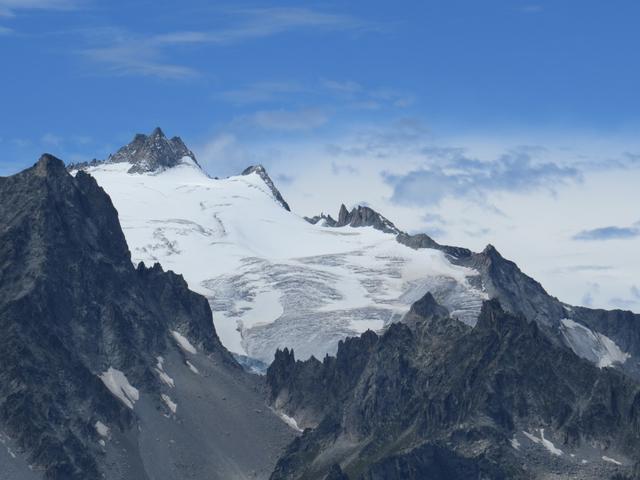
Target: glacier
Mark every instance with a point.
(274, 280)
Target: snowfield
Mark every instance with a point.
(271, 278)
(593, 346)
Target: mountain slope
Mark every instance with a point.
(275, 280)
(272, 279)
(107, 369)
(434, 398)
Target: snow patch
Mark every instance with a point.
(119, 386)
(544, 442)
(172, 405)
(102, 429)
(593, 346)
(162, 374)
(611, 460)
(549, 445)
(183, 342)
(193, 368)
(515, 443)
(289, 421)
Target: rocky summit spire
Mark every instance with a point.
(147, 153)
(150, 153)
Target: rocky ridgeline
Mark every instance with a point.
(72, 307)
(147, 153)
(434, 398)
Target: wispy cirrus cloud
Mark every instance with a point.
(260, 92)
(136, 54)
(342, 94)
(129, 55)
(288, 120)
(608, 233)
(532, 8)
(8, 8)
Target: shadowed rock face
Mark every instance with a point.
(147, 153)
(439, 399)
(72, 306)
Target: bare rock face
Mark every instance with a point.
(439, 399)
(147, 153)
(262, 172)
(360, 216)
(81, 382)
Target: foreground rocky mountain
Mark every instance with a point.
(277, 280)
(108, 370)
(435, 398)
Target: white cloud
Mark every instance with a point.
(51, 139)
(135, 54)
(288, 120)
(347, 86)
(260, 92)
(222, 155)
(8, 8)
(531, 9)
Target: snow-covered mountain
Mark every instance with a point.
(275, 279)
(272, 278)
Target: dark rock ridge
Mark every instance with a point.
(262, 173)
(439, 399)
(72, 306)
(147, 153)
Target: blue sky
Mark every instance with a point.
(81, 76)
(510, 122)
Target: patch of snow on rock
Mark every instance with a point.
(611, 460)
(590, 345)
(172, 405)
(183, 342)
(289, 421)
(118, 385)
(193, 368)
(102, 429)
(544, 442)
(549, 445)
(162, 374)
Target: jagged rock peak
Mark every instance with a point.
(360, 216)
(428, 306)
(48, 164)
(262, 173)
(147, 153)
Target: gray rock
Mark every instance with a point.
(72, 306)
(439, 399)
(147, 153)
(262, 172)
(359, 216)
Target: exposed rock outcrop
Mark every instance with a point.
(93, 348)
(147, 153)
(262, 173)
(439, 399)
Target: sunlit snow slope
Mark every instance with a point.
(272, 279)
